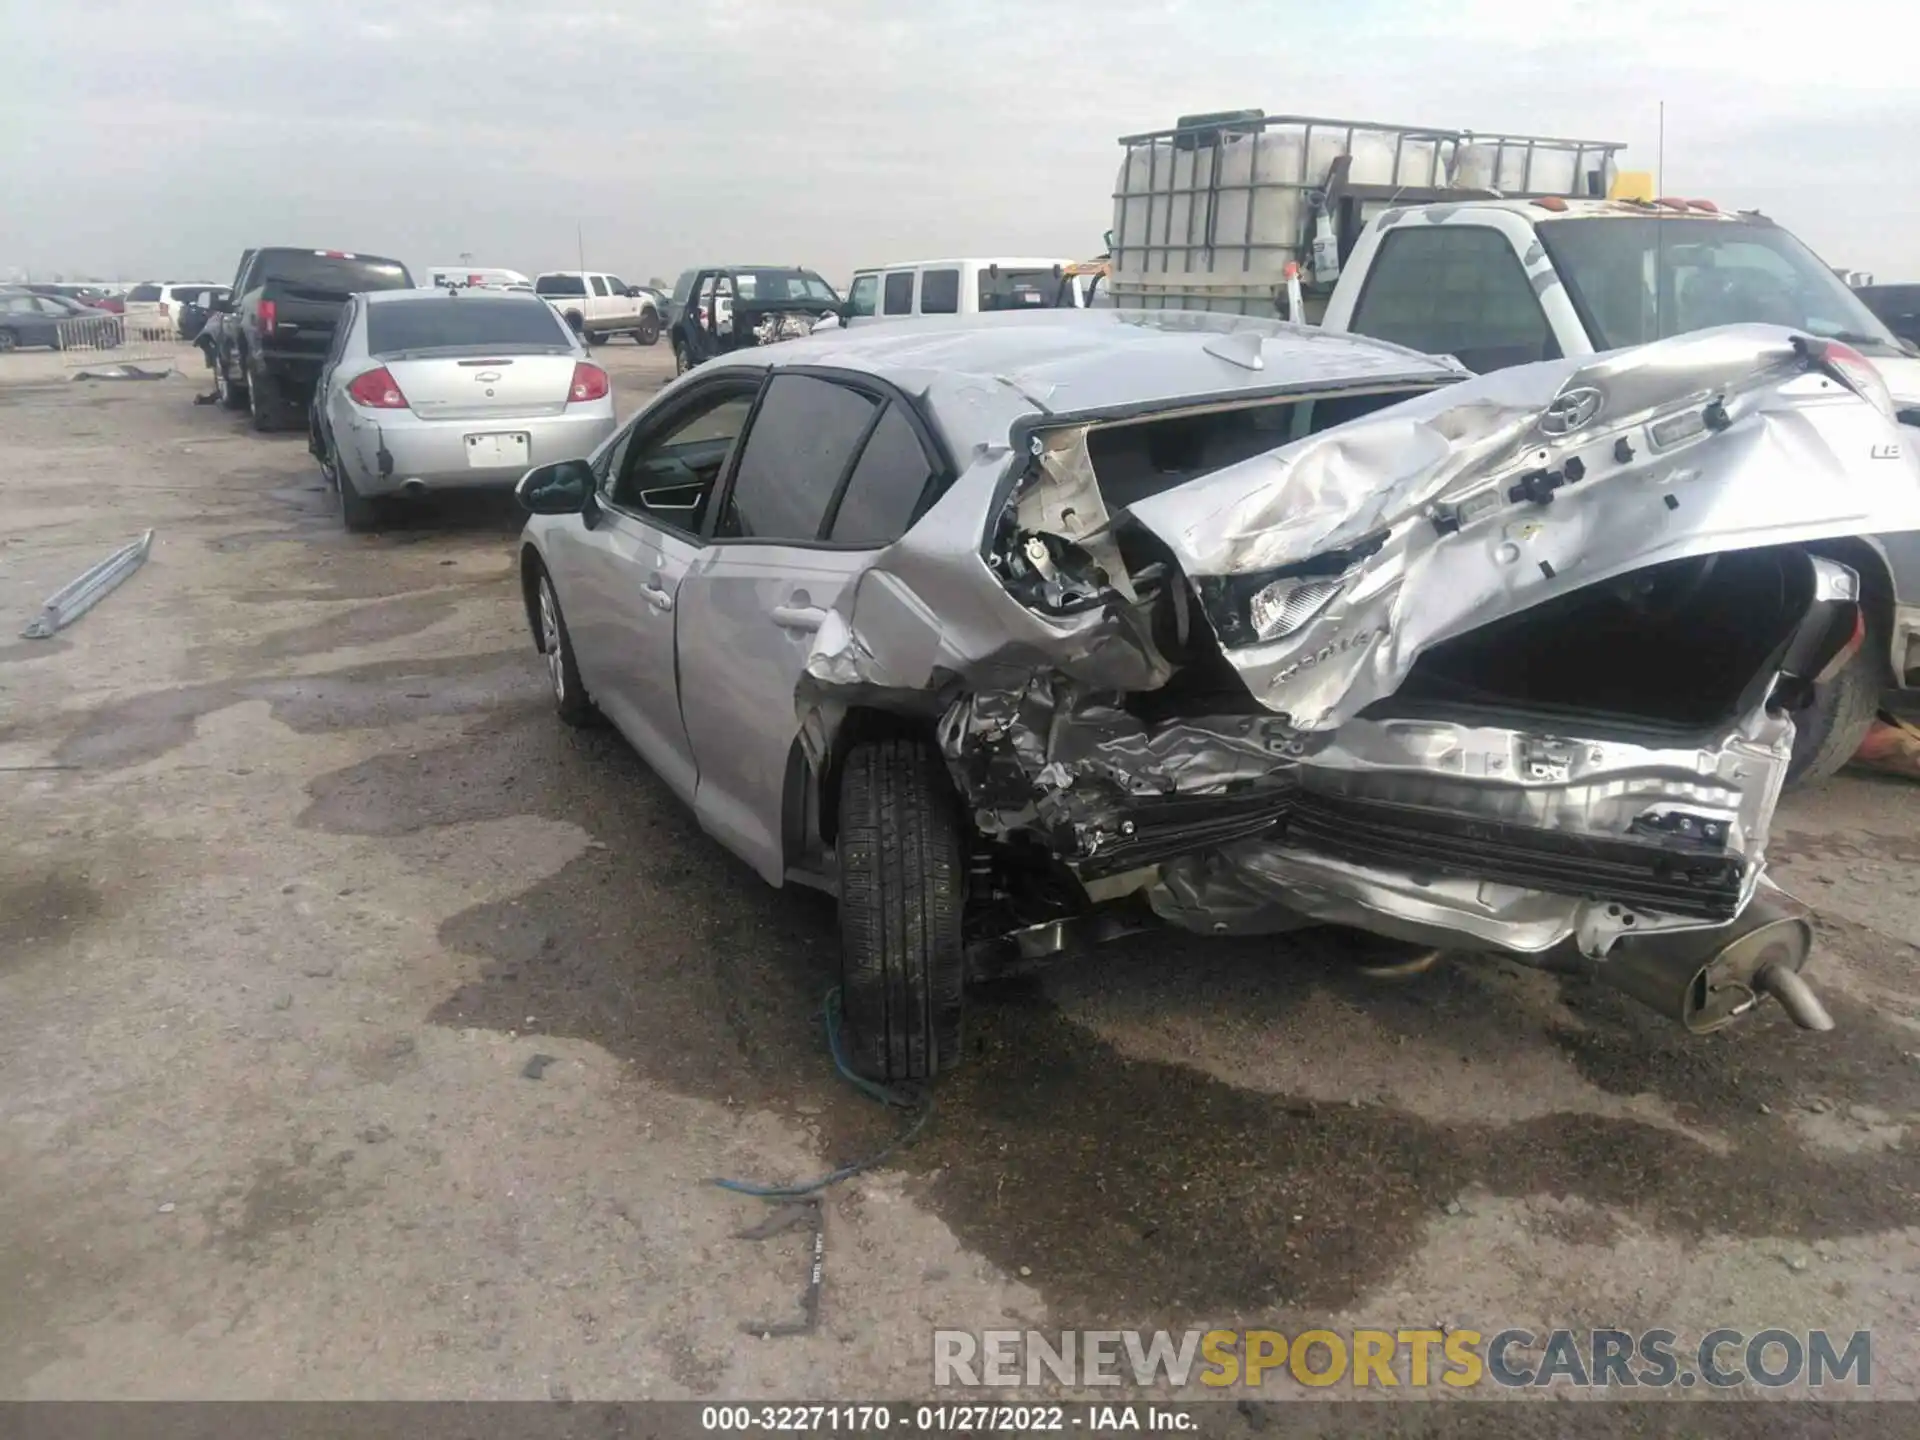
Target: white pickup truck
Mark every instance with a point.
(1502, 250)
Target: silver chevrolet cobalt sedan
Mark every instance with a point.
(430, 390)
(1021, 631)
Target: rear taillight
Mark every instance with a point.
(267, 316)
(1850, 368)
(376, 390)
(589, 383)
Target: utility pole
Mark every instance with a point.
(580, 244)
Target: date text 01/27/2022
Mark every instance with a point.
(947, 1419)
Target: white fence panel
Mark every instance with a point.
(146, 342)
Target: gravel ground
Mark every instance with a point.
(300, 873)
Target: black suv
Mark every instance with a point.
(718, 308)
(285, 302)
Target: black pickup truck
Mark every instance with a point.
(268, 351)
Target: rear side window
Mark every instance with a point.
(886, 485)
(559, 285)
(332, 274)
(144, 292)
(898, 299)
(940, 292)
(1454, 290)
(800, 445)
(463, 320)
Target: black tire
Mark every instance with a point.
(264, 403)
(570, 700)
(232, 396)
(649, 331)
(1827, 734)
(576, 323)
(359, 513)
(680, 362)
(9, 342)
(902, 853)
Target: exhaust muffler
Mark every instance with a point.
(1708, 979)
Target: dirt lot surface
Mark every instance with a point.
(300, 873)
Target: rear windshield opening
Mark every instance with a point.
(1675, 646)
(462, 321)
(1135, 461)
(559, 285)
(334, 274)
(772, 287)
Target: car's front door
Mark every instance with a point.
(623, 573)
(818, 489)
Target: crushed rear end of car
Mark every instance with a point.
(1507, 665)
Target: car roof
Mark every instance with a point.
(975, 372)
(1005, 262)
(454, 296)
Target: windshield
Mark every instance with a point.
(765, 286)
(1637, 279)
(468, 319)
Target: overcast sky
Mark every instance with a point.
(156, 138)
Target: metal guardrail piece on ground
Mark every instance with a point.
(139, 346)
(75, 598)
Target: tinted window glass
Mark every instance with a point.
(599, 285)
(667, 471)
(683, 287)
(886, 485)
(802, 285)
(144, 292)
(559, 285)
(332, 274)
(1454, 290)
(467, 319)
(1018, 289)
(940, 292)
(864, 295)
(899, 294)
(615, 285)
(800, 444)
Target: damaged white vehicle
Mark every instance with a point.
(1028, 630)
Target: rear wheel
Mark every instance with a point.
(1828, 733)
(649, 331)
(8, 342)
(359, 513)
(680, 365)
(264, 402)
(576, 322)
(901, 851)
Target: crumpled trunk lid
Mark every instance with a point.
(1373, 541)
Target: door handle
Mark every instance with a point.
(798, 617)
(656, 597)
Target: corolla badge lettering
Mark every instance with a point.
(1571, 410)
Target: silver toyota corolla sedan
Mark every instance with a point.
(450, 389)
(1027, 630)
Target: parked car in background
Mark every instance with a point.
(1094, 618)
(155, 306)
(92, 295)
(723, 308)
(598, 305)
(285, 303)
(54, 322)
(479, 277)
(195, 308)
(435, 389)
(1897, 306)
(958, 287)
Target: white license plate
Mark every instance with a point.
(494, 452)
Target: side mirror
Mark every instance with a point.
(563, 487)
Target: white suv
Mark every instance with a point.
(155, 306)
(598, 305)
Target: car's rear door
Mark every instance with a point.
(832, 470)
(620, 576)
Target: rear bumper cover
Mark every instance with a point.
(404, 452)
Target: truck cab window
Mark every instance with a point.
(865, 291)
(1454, 290)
